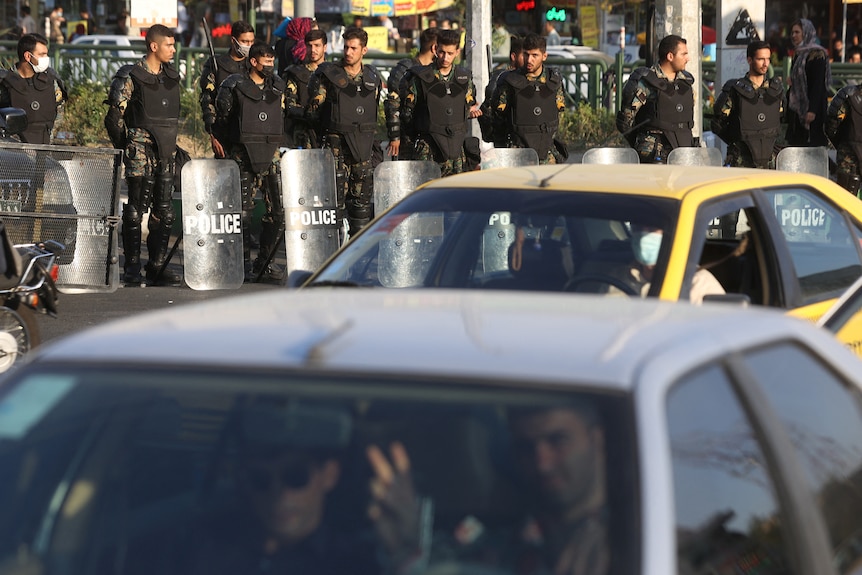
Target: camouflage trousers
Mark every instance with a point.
(652, 148)
(739, 156)
(267, 183)
(141, 155)
(550, 158)
(354, 184)
(847, 174)
(425, 150)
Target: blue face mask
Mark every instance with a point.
(646, 246)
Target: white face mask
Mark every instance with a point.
(41, 64)
(241, 49)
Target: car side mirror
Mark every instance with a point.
(297, 277)
(739, 299)
(12, 121)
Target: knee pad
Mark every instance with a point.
(131, 215)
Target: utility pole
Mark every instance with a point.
(303, 9)
(478, 36)
(682, 17)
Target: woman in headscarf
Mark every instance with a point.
(810, 78)
(291, 48)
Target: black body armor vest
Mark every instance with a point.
(258, 119)
(672, 112)
(534, 113)
(442, 114)
(227, 66)
(758, 117)
(155, 107)
(352, 110)
(37, 98)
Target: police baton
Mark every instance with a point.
(209, 36)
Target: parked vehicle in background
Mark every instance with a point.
(97, 57)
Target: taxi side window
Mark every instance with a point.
(824, 421)
(728, 518)
(820, 242)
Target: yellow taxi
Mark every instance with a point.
(778, 239)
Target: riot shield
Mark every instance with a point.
(499, 234)
(70, 195)
(407, 252)
(695, 157)
(212, 225)
(610, 156)
(395, 180)
(509, 158)
(310, 208)
(805, 160)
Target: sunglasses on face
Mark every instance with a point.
(290, 476)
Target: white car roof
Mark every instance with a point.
(508, 336)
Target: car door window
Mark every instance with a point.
(727, 514)
(821, 244)
(824, 423)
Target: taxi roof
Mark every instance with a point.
(505, 336)
(672, 182)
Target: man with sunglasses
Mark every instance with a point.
(289, 465)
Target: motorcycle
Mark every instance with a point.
(28, 275)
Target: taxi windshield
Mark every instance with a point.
(513, 239)
(175, 471)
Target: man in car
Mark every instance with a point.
(297, 132)
(844, 129)
(290, 463)
(215, 70)
(142, 120)
(34, 87)
(748, 112)
(251, 105)
(343, 106)
(657, 112)
(527, 104)
(392, 104)
(559, 453)
(437, 101)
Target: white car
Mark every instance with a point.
(104, 55)
(371, 431)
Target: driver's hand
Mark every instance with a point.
(394, 506)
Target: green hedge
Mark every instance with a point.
(84, 115)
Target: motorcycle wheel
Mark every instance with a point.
(19, 333)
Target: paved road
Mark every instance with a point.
(80, 311)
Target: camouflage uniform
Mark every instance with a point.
(353, 150)
(651, 143)
(392, 105)
(213, 73)
(149, 159)
(844, 129)
(258, 162)
(298, 132)
(424, 146)
(725, 122)
(502, 123)
(33, 100)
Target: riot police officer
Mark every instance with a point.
(436, 103)
(844, 129)
(516, 60)
(251, 105)
(748, 112)
(215, 70)
(392, 103)
(142, 120)
(658, 104)
(527, 104)
(297, 132)
(344, 99)
(34, 87)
